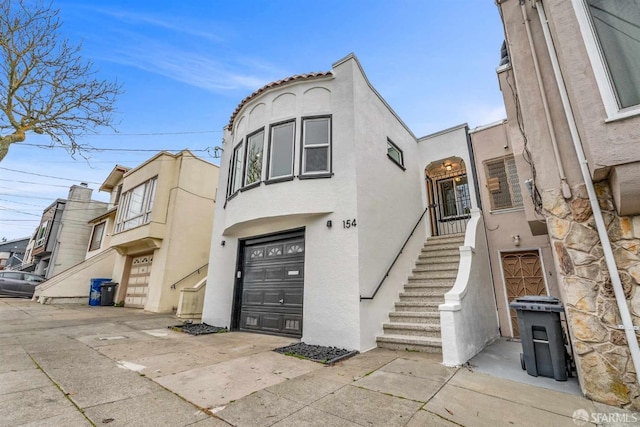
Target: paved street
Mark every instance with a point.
(70, 365)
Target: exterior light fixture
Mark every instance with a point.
(448, 166)
(516, 240)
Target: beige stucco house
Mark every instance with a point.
(520, 250)
(153, 241)
(571, 86)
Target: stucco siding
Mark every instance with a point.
(502, 225)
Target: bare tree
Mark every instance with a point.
(46, 87)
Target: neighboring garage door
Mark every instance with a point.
(138, 283)
(272, 284)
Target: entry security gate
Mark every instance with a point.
(271, 278)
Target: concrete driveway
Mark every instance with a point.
(78, 365)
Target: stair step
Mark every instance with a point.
(429, 252)
(437, 258)
(433, 274)
(401, 342)
(421, 282)
(423, 265)
(422, 306)
(439, 246)
(428, 287)
(412, 329)
(456, 236)
(415, 317)
(421, 297)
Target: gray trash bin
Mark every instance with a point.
(544, 352)
(107, 293)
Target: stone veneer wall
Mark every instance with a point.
(602, 356)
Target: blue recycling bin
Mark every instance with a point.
(94, 292)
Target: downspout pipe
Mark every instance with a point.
(627, 323)
(566, 190)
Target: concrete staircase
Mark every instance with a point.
(415, 323)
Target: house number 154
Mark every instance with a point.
(348, 223)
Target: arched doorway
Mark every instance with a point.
(449, 196)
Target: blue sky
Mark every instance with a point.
(185, 66)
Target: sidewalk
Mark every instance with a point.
(81, 366)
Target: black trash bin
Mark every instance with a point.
(544, 352)
(107, 293)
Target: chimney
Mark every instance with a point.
(80, 192)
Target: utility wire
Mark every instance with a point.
(48, 176)
(36, 183)
(22, 203)
(89, 149)
(152, 133)
(19, 211)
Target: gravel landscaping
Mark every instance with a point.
(198, 328)
(316, 353)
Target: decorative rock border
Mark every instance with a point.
(198, 329)
(316, 353)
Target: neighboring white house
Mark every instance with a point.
(324, 184)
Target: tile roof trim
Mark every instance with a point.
(272, 85)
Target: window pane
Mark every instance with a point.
(514, 182)
(498, 185)
(237, 168)
(463, 199)
(617, 25)
(281, 151)
(448, 198)
(394, 153)
(135, 202)
(254, 158)
(317, 159)
(316, 132)
(96, 238)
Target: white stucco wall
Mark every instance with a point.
(390, 201)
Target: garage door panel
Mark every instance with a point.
(290, 324)
(274, 297)
(272, 322)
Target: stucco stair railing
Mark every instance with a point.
(468, 317)
(415, 322)
(191, 301)
(73, 284)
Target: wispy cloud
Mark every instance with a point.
(193, 68)
(179, 26)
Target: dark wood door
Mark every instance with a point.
(272, 285)
(523, 275)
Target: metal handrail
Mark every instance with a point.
(398, 255)
(197, 270)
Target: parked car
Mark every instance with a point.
(18, 284)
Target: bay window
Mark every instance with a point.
(135, 207)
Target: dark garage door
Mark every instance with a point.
(272, 284)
